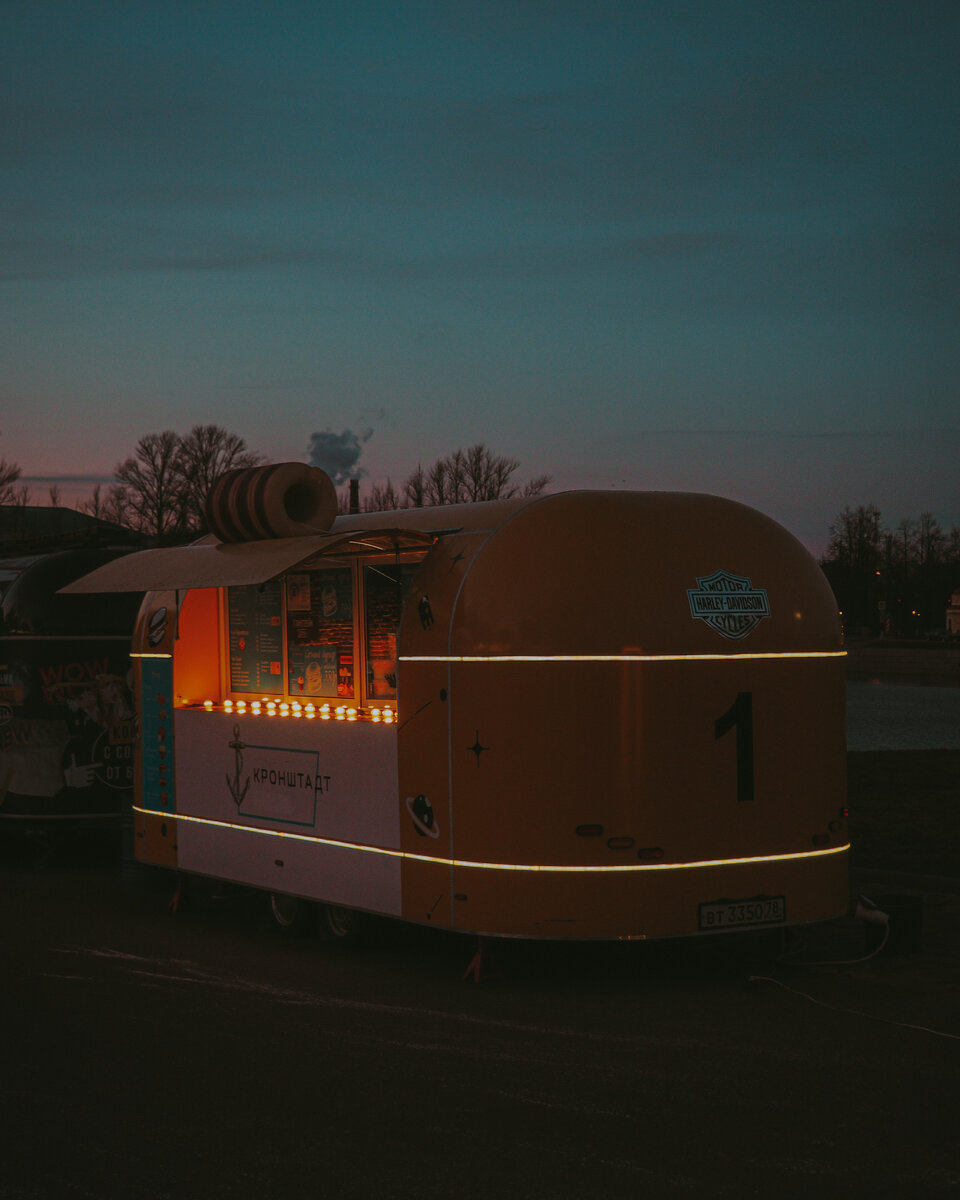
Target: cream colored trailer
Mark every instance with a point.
(580, 715)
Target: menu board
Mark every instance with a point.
(255, 622)
(320, 633)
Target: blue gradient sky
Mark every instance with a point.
(669, 245)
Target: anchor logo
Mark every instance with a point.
(238, 747)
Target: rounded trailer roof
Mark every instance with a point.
(649, 573)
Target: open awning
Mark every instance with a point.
(230, 564)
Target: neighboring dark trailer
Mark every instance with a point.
(68, 722)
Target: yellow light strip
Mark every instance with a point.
(134, 654)
(489, 866)
(500, 658)
(385, 715)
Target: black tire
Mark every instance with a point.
(341, 926)
(291, 914)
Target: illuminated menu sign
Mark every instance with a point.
(255, 620)
(320, 633)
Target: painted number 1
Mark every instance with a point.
(739, 716)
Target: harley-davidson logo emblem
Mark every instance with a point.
(729, 604)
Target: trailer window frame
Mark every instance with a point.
(367, 691)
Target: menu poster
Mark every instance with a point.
(314, 670)
(320, 634)
(255, 620)
(298, 593)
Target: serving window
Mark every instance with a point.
(323, 632)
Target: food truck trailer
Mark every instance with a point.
(578, 715)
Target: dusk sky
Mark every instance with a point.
(700, 246)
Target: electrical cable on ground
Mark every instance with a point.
(851, 1011)
(866, 910)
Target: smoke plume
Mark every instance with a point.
(339, 453)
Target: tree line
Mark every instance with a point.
(894, 580)
(463, 477)
(891, 579)
(10, 493)
(160, 490)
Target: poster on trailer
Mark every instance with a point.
(67, 727)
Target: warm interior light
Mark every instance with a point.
(294, 708)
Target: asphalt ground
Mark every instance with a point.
(155, 1054)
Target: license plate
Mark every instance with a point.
(758, 910)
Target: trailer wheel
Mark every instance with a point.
(344, 926)
(291, 914)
